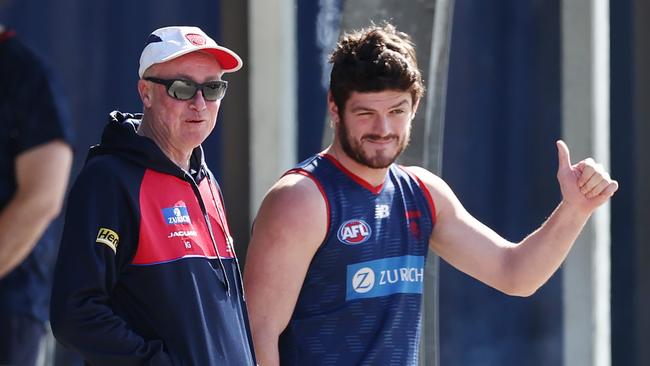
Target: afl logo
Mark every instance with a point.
(354, 232)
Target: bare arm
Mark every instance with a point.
(290, 226)
(519, 269)
(41, 177)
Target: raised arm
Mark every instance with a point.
(290, 226)
(519, 268)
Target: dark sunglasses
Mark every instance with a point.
(186, 89)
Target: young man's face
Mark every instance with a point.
(375, 127)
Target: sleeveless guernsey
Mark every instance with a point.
(360, 303)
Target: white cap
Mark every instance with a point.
(167, 43)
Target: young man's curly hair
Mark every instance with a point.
(374, 59)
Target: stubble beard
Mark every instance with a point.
(354, 150)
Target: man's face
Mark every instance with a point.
(181, 124)
(375, 127)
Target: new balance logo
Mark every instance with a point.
(382, 211)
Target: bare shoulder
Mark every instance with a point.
(289, 228)
(443, 197)
(294, 208)
(294, 193)
(434, 183)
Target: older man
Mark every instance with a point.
(147, 272)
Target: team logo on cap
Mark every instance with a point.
(354, 232)
(195, 39)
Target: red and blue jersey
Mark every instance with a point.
(360, 303)
(147, 272)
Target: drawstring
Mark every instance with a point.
(206, 216)
(229, 240)
(216, 248)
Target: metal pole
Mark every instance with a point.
(585, 127)
(432, 160)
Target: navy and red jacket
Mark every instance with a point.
(147, 273)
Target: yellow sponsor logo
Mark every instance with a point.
(108, 237)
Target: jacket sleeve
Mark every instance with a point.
(99, 238)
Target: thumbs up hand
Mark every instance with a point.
(585, 185)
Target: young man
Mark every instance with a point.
(336, 262)
(35, 166)
(147, 272)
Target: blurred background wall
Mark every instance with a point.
(503, 115)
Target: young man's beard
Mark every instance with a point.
(354, 150)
